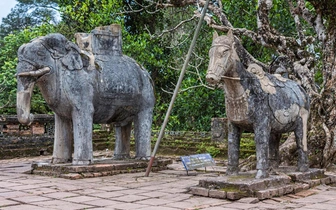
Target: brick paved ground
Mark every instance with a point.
(166, 190)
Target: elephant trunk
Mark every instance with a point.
(25, 91)
(23, 106)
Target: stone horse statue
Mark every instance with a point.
(257, 101)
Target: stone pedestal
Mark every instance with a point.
(288, 181)
(102, 167)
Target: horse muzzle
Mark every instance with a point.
(212, 79)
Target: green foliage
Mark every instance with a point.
(162, 55)
(29, 13)
(8, 60)
(205, 148)
(85, 15)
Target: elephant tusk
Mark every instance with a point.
(36, 73)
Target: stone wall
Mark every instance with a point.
(18, 140)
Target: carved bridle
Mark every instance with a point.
(225, 77)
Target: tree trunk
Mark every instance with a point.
(323, 111)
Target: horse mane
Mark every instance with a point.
(245, 57)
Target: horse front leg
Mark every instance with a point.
(234, 134)
(122, 143)
(262, 132)
(62, 152)
(274, 142)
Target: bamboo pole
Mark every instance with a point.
(164, 124)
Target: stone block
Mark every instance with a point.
(249, 200)
(305, 186)
(332, 179)
(13, 126)
(87, 175)
(263, 194)
(219, 129)
(281, 191)
(200, 191)
(38, 129)
(217, 194)
(325, 180)
(306, 193)
(71, 176)
(315, 182)
(288, 189)
(274, 192)
(297, 188)
(234, 195)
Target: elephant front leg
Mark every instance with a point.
(122, 143)
(82, 128)
(142, 131)
(262, 135)
(63, 140)
(234, 135)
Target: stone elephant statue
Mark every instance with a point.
(116, 90)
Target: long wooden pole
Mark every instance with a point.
(164, 124)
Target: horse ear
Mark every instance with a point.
(214, 36)
(230, 35)
(72, 60)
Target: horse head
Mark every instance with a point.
(223, 58)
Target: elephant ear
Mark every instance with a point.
(72, 60)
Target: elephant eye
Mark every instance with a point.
(40, 53)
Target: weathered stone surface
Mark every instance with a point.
(325, 180)
(106, 167)
(263, 194)
(256, 100)
(244, 185)
(200, 191)
(288, 189)
(217, 194)
(92, 84)
(234, 195)
(219, 129)
(274, 192)
(249, 200)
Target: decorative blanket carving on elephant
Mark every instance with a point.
(257, 101)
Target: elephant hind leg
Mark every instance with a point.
(142, 131)
(122, 143)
